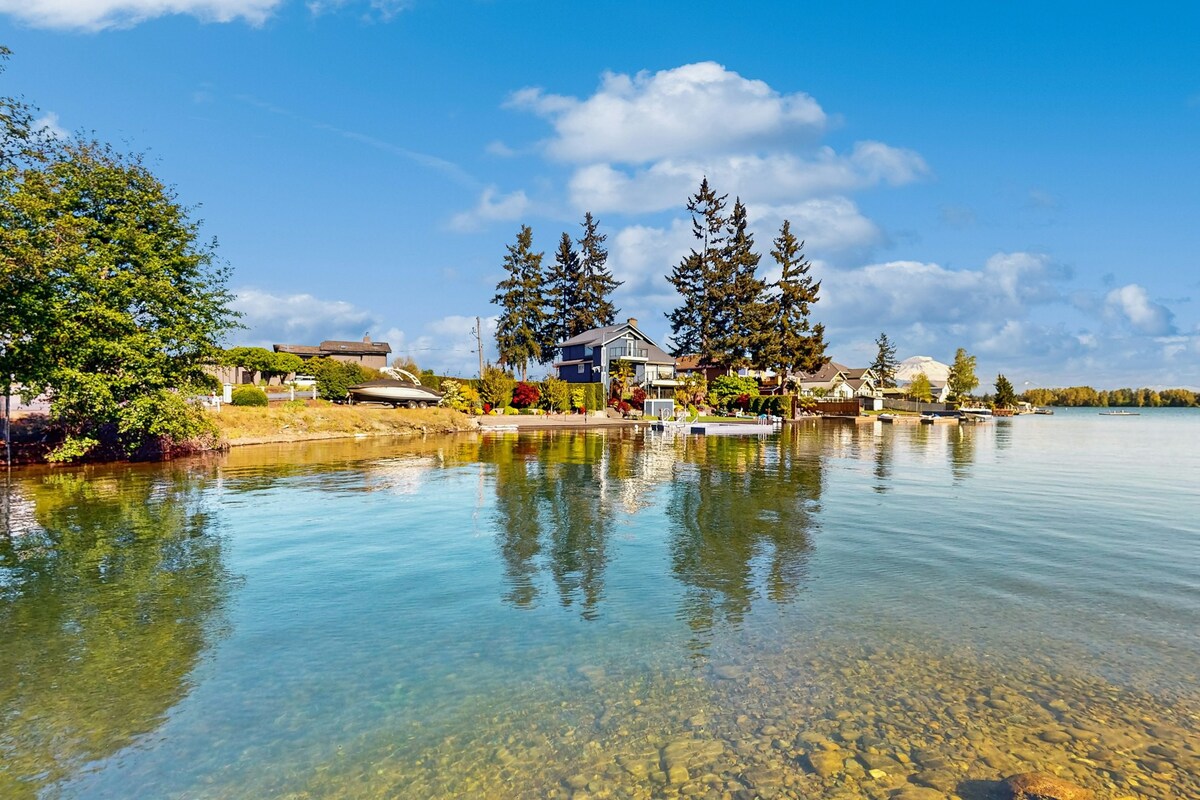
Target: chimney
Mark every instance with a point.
(366, 338)
(633, 322)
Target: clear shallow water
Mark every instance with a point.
(613, 614)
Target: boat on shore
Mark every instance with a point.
(401, 389)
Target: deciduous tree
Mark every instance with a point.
(962, 375)
(920, 389)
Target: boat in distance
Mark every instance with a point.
(1120, 413)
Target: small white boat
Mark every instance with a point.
(887, 417)
(928, 419)
(1120, 413)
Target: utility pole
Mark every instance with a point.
(479, 345)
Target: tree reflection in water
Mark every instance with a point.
(111, 589)
(737, 514)
(740, 512)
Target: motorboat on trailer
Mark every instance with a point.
(401, 388)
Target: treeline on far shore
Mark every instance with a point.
(1134, 398)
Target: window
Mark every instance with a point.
(581, 366)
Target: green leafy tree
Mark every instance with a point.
(593, 303)
(795, 344)
(622, 372)
(727, 388)
(693, 321)
(334, 378)
(496, 387)
(522, 320)
(920, 388)
(1006, 397)
(885, 362)
(557, 395)
(130, 303)
(962, 375)
(742, 316)
(453, 395)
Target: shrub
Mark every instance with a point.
(525, 395)
(249, 396)
(579, 397)
(624, 407)
(638, 398)
(334, 378)
(728, 387)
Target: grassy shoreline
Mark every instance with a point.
(239, 426)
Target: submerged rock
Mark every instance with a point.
(1040, 786)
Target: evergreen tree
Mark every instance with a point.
(593, 305)
(1005, 396)
(962, 374)
(693, 324)
(794, 344)
(885, 362)
(519, 328)
(740, 312)
(561, 291)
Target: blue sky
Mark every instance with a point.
(1022, 180)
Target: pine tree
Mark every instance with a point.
(740, 314)
(885, 362)
(693, 326)
(796, 344)
(519, 328)
(1005, 395)
(593, 306)
(561, 292)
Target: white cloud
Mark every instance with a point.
(1131, 304)
(298, 319)
(689, 110)
(900, 292)
(492, 207)
(826, 225)
(447, 345)
(49, 123)
(772, 178)
(100, 14)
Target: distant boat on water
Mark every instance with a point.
(1120, 413)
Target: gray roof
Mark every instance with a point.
(594, 336)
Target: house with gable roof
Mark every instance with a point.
(590, 356)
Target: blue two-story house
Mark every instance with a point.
(588, 358)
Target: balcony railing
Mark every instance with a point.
(628, 353)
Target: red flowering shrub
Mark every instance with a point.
(525, 395)
(638, 398)
(743, 401)
(624, 407)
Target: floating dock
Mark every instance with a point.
(733, 428)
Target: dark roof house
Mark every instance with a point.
(366, 352)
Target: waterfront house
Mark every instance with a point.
(365, 353)
(590, 356)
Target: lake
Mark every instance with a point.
(832, 611)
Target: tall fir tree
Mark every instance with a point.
(594, 307)
(740, 314)
(693, 323)
(794, 343)
(884, 365)
(561, 292)
(522, 320)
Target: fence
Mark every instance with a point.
(840, 408)
(909, 405)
